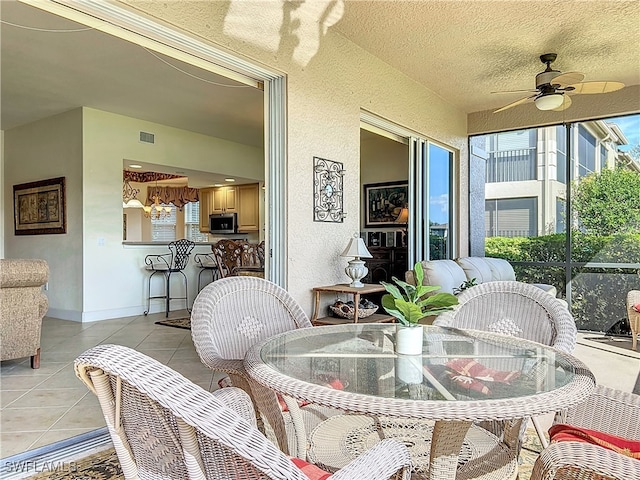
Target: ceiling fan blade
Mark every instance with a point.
(513, 104)
(596, 87)
(566, 103)
(569, 78)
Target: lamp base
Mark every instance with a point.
(356, 271)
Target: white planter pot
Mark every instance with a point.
(409, 339)
(409, 369)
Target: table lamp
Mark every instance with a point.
(356, 269)
(403, 218)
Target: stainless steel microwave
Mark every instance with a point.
(223, 223)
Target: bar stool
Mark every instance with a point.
(207, 263)
(166, 264)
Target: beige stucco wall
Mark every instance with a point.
(325, 97)
(49, 148)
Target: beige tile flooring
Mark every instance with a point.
(42, 406)
(39, 407)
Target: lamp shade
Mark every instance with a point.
(403, 216)
(133, 203)
(549, 102)
(356, 248)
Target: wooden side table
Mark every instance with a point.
(356, 292)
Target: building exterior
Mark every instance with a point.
(526, 174)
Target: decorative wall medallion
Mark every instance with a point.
(327, 191)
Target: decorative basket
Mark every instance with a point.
(339, 311)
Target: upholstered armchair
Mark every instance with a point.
(22, 307)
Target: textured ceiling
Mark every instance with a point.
(464, 50)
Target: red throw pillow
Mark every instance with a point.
(568, 433)
(636, 307)
(310, 470)
(470, 368)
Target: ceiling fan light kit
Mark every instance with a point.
(549, 101)
(554, 87)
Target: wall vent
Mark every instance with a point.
(147, 137)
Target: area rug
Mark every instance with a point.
(104, 465)
(176, 322)
(99, 466)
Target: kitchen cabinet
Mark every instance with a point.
(243, 200)
(225, 200)
(206, 207)
(248, 208)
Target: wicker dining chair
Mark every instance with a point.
(607, 410)
(231, 315)
(164, 427)
(518, 309)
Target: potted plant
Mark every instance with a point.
(411, 305)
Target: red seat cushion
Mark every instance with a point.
(310, 470)
(469, 375)
(568, 433)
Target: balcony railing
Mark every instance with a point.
(511, 165)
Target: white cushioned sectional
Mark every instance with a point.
(451, 274)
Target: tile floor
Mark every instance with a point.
(42, 406)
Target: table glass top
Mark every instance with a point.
(454, 364)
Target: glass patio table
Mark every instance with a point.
(461, 377)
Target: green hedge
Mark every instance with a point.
(598, 295)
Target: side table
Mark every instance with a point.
(356, 292)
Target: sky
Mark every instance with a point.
(630, 126)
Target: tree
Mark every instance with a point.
(608, 202)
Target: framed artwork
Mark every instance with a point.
(383, 202)
(39, 207)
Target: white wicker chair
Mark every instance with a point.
(607, 410)
(518, 309)
(231, 315)
(164, 427)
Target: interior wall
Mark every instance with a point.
(110, 138)
(92, 275)
(329, 81)
(49, 148)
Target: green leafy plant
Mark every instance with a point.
(411, 304)
(464, 285)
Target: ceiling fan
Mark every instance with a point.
(554, 87)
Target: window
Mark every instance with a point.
(512, 217)
(192, 223)
(164, 229)
(586, 152)
(603, 157)
(440, 188)
(512, 156)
